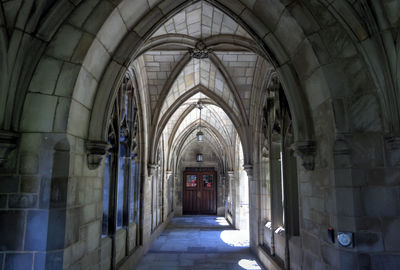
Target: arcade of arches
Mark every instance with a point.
(101, 103)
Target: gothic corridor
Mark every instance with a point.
(199, 134)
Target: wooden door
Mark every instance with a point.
(199, 192)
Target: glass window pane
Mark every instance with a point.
(120, 194)
(208, 181)
(132, 191)
(191, 180)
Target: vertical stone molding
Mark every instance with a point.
(392, 143)
(306, 151)
(8, 142)
(95, 152)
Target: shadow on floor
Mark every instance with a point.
(200, 242)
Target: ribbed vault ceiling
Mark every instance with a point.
(176, 80)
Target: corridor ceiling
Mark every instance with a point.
(225, 77)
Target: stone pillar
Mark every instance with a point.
(233, 200)
(254, 209)
(168, 186)
(148, 202)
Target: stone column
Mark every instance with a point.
(232, 192)
(168, 187)
(254, 196)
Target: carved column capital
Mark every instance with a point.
(151, 167)
(249, 169)
(306, 151)
(95, 151)
(8, 142)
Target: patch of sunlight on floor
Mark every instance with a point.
(235, 238)
(222, 221)
(249, 264)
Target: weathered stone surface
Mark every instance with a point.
(391, 233)
(22, 201)
(9, 184)
(38, 113)
(45, 77)
(21, 261)
(12, 230)
(380, 201)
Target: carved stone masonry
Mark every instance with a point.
(200, 51)
(151, 169)
(392, 143)
(95, 151)
(249, 170)
(8, 142)
(306, 151)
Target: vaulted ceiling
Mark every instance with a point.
(200, 54)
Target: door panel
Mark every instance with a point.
(199, 193)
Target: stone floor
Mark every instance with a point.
(201, 243)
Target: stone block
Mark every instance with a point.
(22, 201)
(146, 23)
(94, 235)
(82, 48)
(29, 163)
(96, 60)
(340, 44)
(380, 201)
(91, 260)
(311, 243)
(30, 184)
(63, 44)
(62, 112)
(131, 18)
(368, 224)
(56, 229)
(87, 213)
(85, 87)
(38, 113)
(384, 177)
(330, 255)
(120, 240)
(20, 261)
(317, 88)
(78, 120)
(255, 24)
(66, 80)
(390, 228)
(3, 200)
(365, 114)
(368, 241)
(48, 260)
(73, 222)
(98, 16)
(289, 33)
(9, 184)
(367, 150)
(385, 261)
(12, 227)
(348, 202)
(45, 77)
(305, 61)
(36, 230)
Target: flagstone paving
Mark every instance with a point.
(200, 243)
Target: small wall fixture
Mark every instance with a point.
(345, 239)
(199, 157)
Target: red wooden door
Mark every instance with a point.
(199, 193)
